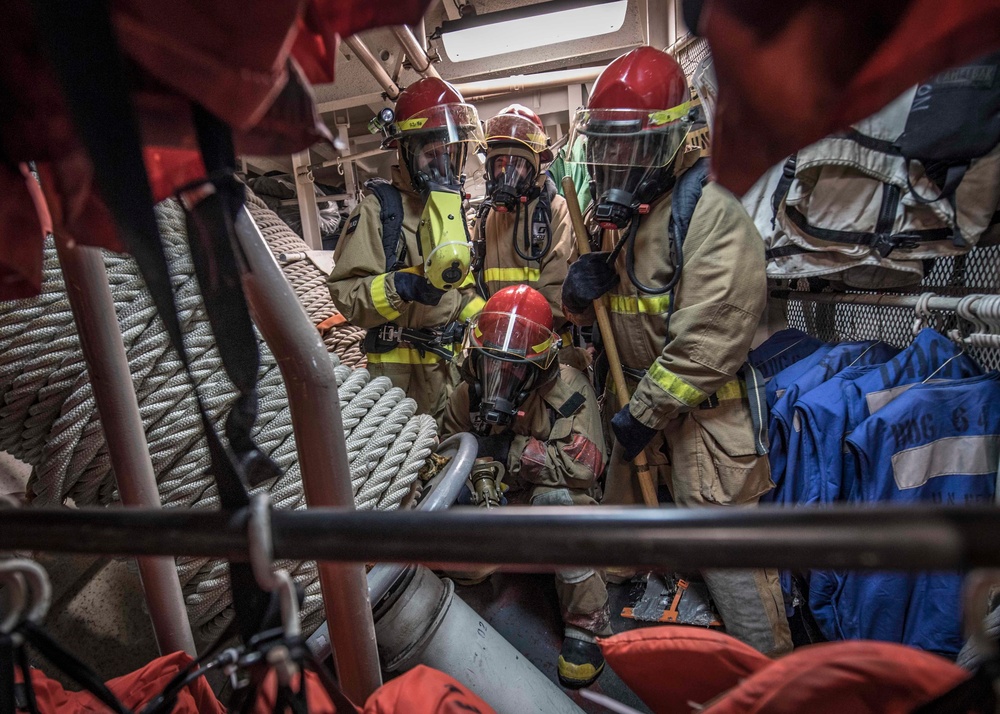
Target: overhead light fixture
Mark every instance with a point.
(524, 28)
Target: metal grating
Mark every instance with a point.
(976, 272)
(689, 54)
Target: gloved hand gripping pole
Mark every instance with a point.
(640, 464)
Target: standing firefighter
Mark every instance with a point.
(541, 422)
(402, 264)
(523, 234)
(684, 267)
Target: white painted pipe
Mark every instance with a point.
(419, 60)
(361, 51)
(426, 624)
(521, 82)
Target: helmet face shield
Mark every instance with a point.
(451, 123)
(503, 387)
(510, 337)
(435, 142)
(629, 137)
(626, 151)
(510, 174)
(516, 128)
(434, 160)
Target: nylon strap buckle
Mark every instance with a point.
(390, 332)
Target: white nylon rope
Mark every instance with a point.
(48, 417)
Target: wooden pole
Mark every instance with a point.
(640, 464)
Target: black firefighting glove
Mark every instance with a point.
(495, 446)
(416, 288)
(588, 278)
(631, 433)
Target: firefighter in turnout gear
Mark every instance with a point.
(683, 269)
(540, 420)
(388, 275)
(523, 233)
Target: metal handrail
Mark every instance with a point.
(908, 538)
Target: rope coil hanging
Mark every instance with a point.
(49, 420)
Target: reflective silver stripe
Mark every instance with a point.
(758, 409)
(961, 455)
(877, 400)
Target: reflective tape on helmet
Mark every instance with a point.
(473, 308)
(411, 124)
(675, 386)
(404, 355)
(381, 300)
(633, 305)
(666, 116)
(512, 275)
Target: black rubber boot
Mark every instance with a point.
(580, 663)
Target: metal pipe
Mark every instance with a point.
(361, 51)
(522, 82)
(107, 363)
(946, 304)
(419, 60)
(444, 490)
(319, 437)
(305, 197)
(350, 157)
(447, 486)
(541, 538)
(426, 624)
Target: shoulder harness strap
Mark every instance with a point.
(687, 193)
(391, 215)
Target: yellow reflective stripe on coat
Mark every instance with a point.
(633, 305)
(381, 300)
(512, 275)
(675, 386)
(404, 355)
(473, 308)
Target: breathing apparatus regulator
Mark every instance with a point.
(517, 152)
(509, 351)
(433, 130)
(631, 133)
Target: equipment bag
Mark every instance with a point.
(954, 119)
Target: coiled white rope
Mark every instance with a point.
(48, 416)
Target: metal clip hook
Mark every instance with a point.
(262, 564)
(32, 590)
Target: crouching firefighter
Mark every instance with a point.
(540, 423)
(683, 267)
(402, 266)
(523, 233)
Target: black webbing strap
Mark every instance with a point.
(212, 238)
(8, 703)
(81, 44)
(781, 188)
(70, 666)
(870, 142)
(25, 693)
(884, 243)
